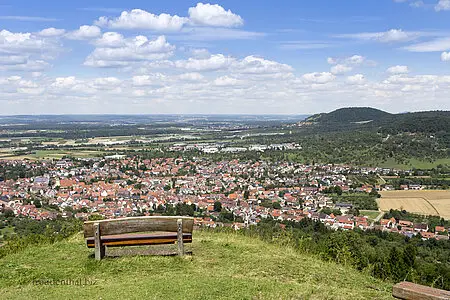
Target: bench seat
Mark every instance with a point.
(122, 240)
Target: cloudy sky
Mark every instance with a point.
(231, 56)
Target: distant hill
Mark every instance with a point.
(372, 137)
(350, 115)
(223, 266)
(370, 118)
(426, 121)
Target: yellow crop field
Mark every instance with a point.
(425, 202)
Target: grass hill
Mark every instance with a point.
(223, 266)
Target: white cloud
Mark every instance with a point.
(111, 40)
(319, 78)
(21, 43)
(85, 32)
(154, 79)
(214, 15)
(227, 81)
(139, 93)
(227, 93)
(64, 82)
(106, 81)
(250, 65)
(344, 65)
(351, 60)
(193, 76)
(216, 34)
(442, 5)
(14, 78)
(26, 51)
(121, 52)
(340, 69)
(141, 19)
(436, 45)
(257, 65)
(390, 36)
(13, 59)
(356, 79)
(331, 60)
(445, 56)
(428, 81)
(205, 22)
(398, 70)
(51, 32)
(28, 18)
(200, 53)
(73, 86)
(29, 66)
(355, 59)
(214, 62)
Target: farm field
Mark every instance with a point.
(425, 202)
(53, 154)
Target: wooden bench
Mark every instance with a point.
(138, 231)
(411, 291)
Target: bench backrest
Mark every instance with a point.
(138, 224)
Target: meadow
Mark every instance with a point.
(223, 266)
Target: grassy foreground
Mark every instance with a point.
(223, 266)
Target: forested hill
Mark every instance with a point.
(371, 137)
(349, 115)
(426, 122)
(371, 118)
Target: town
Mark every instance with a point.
(228, 193)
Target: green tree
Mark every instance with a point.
(217, 206)
(409, 256)
(37, 203)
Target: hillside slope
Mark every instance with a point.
(349, 115)
(357, 118)
(224, 266)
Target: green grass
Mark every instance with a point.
(7, 230)
(414, 163)
(372, 214)
(223, 266)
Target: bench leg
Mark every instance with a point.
(180, 237)
(99, 248)
(100, 252)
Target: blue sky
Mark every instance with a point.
(286, 57)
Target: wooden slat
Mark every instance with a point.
(142, 236)
(411, 291)
(138, 224)
(142, 242)
(141, 239)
